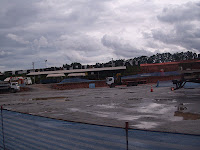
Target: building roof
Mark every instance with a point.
(78, 70)
(76, 74)
(56, 75)
(7, 79)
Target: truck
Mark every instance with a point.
(113, 81)
(116, 80)
(9, 86)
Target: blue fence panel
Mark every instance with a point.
(1, 134)
(28, 132)
(160, 140)
(165, 84)
(189, 85)
(23, 131)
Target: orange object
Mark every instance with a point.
(151, 88)
(172, 88)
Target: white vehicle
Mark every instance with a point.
(12, 87)
(113, 81)
(110, 81)
(28, 81)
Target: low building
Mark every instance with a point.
(91, 73)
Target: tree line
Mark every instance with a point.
(157, 58)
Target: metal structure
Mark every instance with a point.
(23, 131)
(187, 76)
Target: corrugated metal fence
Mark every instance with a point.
(23, 132)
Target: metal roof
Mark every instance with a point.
(56, 75)
(78, 70)
(7, 79)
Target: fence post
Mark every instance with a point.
(2, 127)
(126, 128)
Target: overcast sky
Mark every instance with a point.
(90, 31)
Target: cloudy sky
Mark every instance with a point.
(90, 31)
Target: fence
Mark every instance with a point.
(23, 131)
(188, 85)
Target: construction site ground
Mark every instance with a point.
(157, 110)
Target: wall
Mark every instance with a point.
(68, 86)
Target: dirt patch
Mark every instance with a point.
(49, 98)
(23, 89)
(97, 97)
(187, 115)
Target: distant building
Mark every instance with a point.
(169, 66)
(91, 73)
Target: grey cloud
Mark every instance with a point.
(79, 42)
(180, 36)
(181, 13)
(185, 32)
(17, 38)
(17, 13)
(121, 47)
(65, 31)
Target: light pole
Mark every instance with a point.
(33, 65)
(45, 63)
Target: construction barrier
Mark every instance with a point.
(28, 132)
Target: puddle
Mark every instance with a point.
(74, 109)
(115, 115)
(49, 98)
(187, 115)
(146, 125)
(129, 117)
(155, 108)
(112, 105)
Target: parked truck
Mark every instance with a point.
(9, 86)
(113, 81)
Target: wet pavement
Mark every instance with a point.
(157, 110)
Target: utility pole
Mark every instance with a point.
(33, 65)
(45, 63)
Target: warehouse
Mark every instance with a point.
(92, 73)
